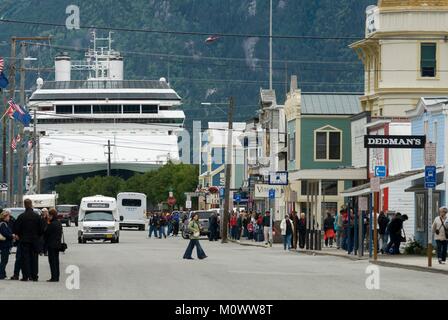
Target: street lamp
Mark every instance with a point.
(228, 170)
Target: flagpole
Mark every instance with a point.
(19, 143)
(12, 87)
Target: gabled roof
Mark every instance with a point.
(331, 103)
(426, 103)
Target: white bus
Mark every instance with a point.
(41, 201)
(98, 219)
(132, 207)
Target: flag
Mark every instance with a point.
(20, 114)
(2, 64)
(14, 144)
(9, 112)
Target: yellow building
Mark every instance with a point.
(404, 53)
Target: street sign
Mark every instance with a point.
(279, 178)
(363, 204)
(272, 194)
(375, 184)
(237, 197)
(430, 177)
(380, 171)
(221, 192)
(188, 204)
(430, 154)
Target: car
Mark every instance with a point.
(68, 213)
(203, 222)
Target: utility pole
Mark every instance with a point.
(228, 172)
(108, 158)
(38, 163)
(19, 145)
(4, 160)
(270, 45)
(12, 87)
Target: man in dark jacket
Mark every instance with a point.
(52, 237)
(301, 227)
(383, 221)
(213, 227)
(395, 227)
(29, 228)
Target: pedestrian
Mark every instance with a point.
(194, 230)
(43, 248)
(29, 228)
(440, 229)
(176, 220)
(302, 230)
(169, 223)
(239, 226)
(329, 230)
(383, 221)
(245, 223)
(267, 227)
(351, 230)
(52, 236)
(153, 222)
(338, 229)
(18, 262)
(162, 226)
(233, 226)
(6, 239)
(395, 233)
(286, 227)
(213, 227)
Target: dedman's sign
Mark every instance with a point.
(397, 142)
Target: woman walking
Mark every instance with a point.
(6, 238)
(194, 230)
(440, 229)
(329, 229)
(286, 227)
(52, 236)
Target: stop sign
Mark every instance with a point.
(171, 201)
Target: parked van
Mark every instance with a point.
(132, 207)
(41, 201)
(98, 219)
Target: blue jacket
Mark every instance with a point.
(7, 233)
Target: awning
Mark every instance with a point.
(329, 174)
(385, 183)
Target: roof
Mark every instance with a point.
(412, 3)
(331, 103)
(105, 84)
(365, 188)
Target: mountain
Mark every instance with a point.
(200, 71)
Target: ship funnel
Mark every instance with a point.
(62, 67)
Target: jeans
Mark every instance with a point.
(338, 238)
(53, 260)
(4, 258)
(189, 251)
(162, 232)
(383, 238)
(287, 241)
(441, 249)
(152, 228)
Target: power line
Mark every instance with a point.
(190, 33)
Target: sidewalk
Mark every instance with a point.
(416, 263)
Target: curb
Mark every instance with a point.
(320, 253)
(247, 244)
(408, 267)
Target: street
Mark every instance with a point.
(142, 268)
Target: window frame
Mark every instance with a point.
(327, 130)
(419, 62)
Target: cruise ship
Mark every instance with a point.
(81, 124)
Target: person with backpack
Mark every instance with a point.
(440, 230)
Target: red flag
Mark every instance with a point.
(2, 64)
(10, 112)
